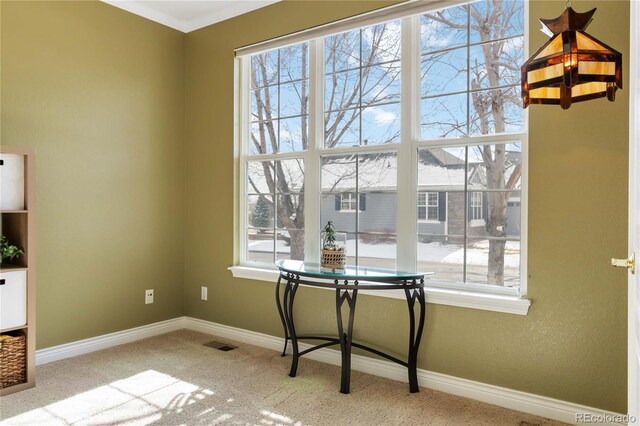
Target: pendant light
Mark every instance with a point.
(572, 66)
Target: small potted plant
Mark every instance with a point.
(333, 248)
(8, 251)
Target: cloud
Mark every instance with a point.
(381, 116)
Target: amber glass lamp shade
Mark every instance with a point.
(572, 66)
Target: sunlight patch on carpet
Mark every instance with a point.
(141, 399)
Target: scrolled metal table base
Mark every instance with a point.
(347, 293)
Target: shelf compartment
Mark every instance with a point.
(14, 227)
(12, 170)
(13, 359)
(13, 299)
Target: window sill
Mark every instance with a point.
(463, 299)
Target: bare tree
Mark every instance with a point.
(493, 20)
(372, 56)
(345, 100)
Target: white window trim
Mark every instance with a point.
(426, 206)
(513, 302)
(352, 199)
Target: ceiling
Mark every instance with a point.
(189, 15)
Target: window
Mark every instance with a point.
(348, 201)
(428, 206)
(330, 130)
(475, 206)
(274, 193)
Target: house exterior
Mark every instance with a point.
(443, 209)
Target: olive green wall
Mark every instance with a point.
(571, 346)
(99, 93)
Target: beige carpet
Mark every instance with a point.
(174, 380)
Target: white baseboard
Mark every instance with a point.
(508, 398)
(55, 353)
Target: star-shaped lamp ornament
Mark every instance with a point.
(572, 66)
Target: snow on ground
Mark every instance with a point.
(477, 254)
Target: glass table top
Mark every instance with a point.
(349, 272)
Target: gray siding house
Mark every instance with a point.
(443, 209)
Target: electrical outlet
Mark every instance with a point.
(203, 293)
(148, 297)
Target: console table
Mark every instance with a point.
(346, 282)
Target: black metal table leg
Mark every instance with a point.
(347, 287)
(345, 338)
(289, 296)
(414, 335)
(284, 324)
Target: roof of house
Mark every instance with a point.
(438, 169)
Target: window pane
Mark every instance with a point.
(294, 98)
(264, 137)
(376, 250)
(496, 111)
(290, 244)
(503, 66)
(495, 214)
(494, 262)
(293, 134)
(290, 211)
(441, 169)
(495, 166)
(339, 173)
(507, 16)
(353, 82)
(260, 211)
(368, 214)
(331, 209)
(494, 64)
(290, 176)
(379, 214)
(294, 62)
(444, 117)
(381, 124)
(472, 214)
(377, 172)
(381, 43)
(442, 255)
(338, 179)
(342, 90)
(381, 84)
(264, 103)
(444, 29)
(444, 72)
(264, 69)
(260, 176)
(342, 51)
(260, 245)
(342, 129)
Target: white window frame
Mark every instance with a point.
(352, 200)
(477, 214)
(486, 297)
(426, 206)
